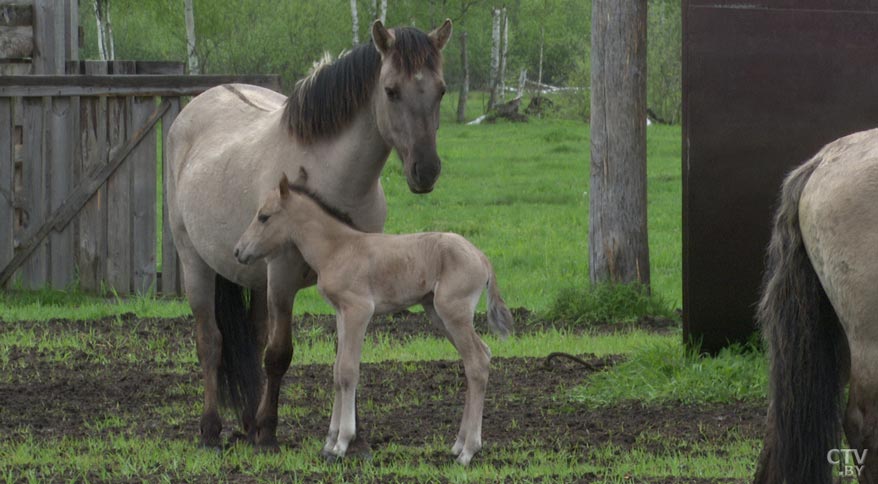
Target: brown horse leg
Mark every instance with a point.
(199, 282)
(282, 288)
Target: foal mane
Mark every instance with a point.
(326, 100)
(333, 212)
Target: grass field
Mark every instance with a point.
(118, 399)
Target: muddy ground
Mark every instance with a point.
(403, 403)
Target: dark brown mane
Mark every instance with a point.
(333, 212)
(325, 101)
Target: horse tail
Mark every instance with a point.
(240, 374)
(499, 315)
(805, 344)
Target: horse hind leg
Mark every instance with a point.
(200, 281)
(861, 416)
(457, 316)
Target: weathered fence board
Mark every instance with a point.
(93, 218)
(171, 274)
(34, 181)
(143, 200)
(7, 174)
(60, 161)
(118, 274)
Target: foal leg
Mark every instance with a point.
(283, 283)
(457, 314)
(200, 283)
(352, 320)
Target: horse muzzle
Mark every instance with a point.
(424, 173)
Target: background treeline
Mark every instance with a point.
(286, 36)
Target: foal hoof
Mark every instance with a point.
(329, 456)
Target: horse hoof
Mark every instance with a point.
(329, 456)
(267, 448)
(464, 459)
(238, 437)
(360, 449)
(211, 444)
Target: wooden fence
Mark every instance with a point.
(81, 181)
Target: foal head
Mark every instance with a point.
(268, 232)
(407, 97)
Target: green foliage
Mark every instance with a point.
(607, 303)
(665, 371)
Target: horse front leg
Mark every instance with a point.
(282, 288)
(352, 320)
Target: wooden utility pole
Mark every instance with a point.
(617, 228)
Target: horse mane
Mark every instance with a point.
(326, 100)
(333, 212)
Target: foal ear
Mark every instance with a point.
(284, 186)
(382, 38)
(441, 35)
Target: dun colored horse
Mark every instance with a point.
(227, 149)
(362, 274)
(819, 314)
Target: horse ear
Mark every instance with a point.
(284, 186)
(441, 35)
(382, 38)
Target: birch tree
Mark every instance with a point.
(106, 44)
(503, 54)
(464, 84)
(495, 59)
(192, 55)
(355, 23)
(617, 231)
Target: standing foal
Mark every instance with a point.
(362, 274)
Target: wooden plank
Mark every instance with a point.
(92, 251)
(77, 199)
(7, 212)
(171, 282)
(125, 85)
(60, 159)
(16, 42)
(119, 244)
(34, 184)
(44, 38)
(16, 14)
(143, 201)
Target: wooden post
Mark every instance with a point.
(60, 161)
(617, 235)
(143, 199)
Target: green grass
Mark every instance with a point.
(607, 303)
(664, 371)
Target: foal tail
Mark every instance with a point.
(240, 374)
(499, 316)
(805, 345)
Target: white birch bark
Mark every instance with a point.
(495, 58)
(383, 12)
(503, 55)
(355, 23)
(192, 55)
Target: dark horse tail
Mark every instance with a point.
(805, 345)
(240, 374)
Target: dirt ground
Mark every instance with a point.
(404, 403)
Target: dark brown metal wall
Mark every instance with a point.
(765, 85)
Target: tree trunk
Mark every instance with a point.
(464, 85)
(106, 46)
(495, 59)
(540, 72)
(192, 55)
(355, 23)
(503, 54)
(383, 12)
(617, 225)
(108, 36)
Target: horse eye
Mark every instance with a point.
(263, 218)
(392, 93)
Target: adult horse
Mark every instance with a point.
(819, 313)
(228, 148)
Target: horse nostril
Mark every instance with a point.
(237, 251)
